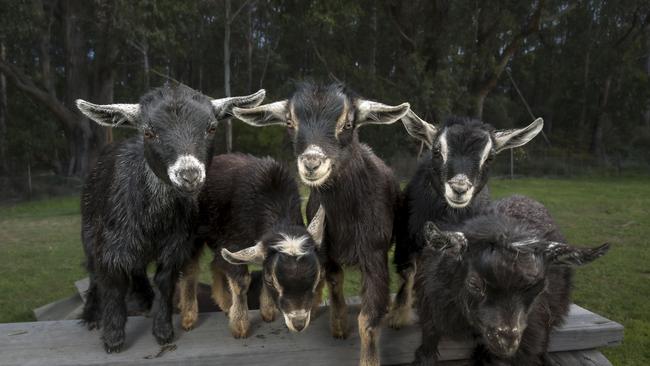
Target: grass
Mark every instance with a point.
(41, 256)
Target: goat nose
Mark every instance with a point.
(460, 188)
(311, 162)
(508, 336)
(299, 324)
(189, 176)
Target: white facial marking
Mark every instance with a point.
(292, 245)
(485, 153)
(458, 201)
(185, 162)
(319, 175)
(444, 149)
(297, 314)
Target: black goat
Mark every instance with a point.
(358, 192)
(246, 201)
(448, 187)
(502, 278)
(139, 202)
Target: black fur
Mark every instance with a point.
(247, 200)
(133, 215)
(494, 284)
(359, 197)
(424, 195)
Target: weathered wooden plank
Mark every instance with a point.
(67, 343)
(578, 358)
(68, 308)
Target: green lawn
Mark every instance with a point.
(41, 256)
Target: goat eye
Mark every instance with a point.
(148, 134)
(435, 151)
(475, 285)
(290, 124)
(348, 125)
(212, 129)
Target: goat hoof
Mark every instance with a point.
(164, 333)
(113, 341)
(339, 331)
(91, 325)
(268, 315)
(399, 318)
(113, 348)
(239, 328)
(189, 320)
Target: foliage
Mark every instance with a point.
(584, 66)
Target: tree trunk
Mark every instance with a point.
(226, 68)
(249, 44)
(597, 132)
(76, 85)
(479, 102)
(646, 115)
(3, 115)
(146, 68)
(585, 88)
(373, 50)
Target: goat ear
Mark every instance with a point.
(111, 115)
(369, 112)
(316, 227)
(566, 255)
(508, 139)
(451, 243)
(223, 107)
(264, 115)
(254, 254)
(418, 128)
(432, 234)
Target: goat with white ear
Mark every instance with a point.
(250, 212)
(356, 188)
(448, 186)
(139, 202)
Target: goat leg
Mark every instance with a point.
(238, 314)
(187, 301)
(401, 313)
(338, 308)
(113, 289)
(165, 280)
(375, 301)
(220, 292)
(267, 305)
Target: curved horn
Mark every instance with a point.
(254, 254)
(316, 227)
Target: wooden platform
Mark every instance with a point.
(66, 342)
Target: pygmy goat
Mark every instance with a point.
(449, 186)
(504, 280)
(358, 192)
(248, 200)
(139, 203)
